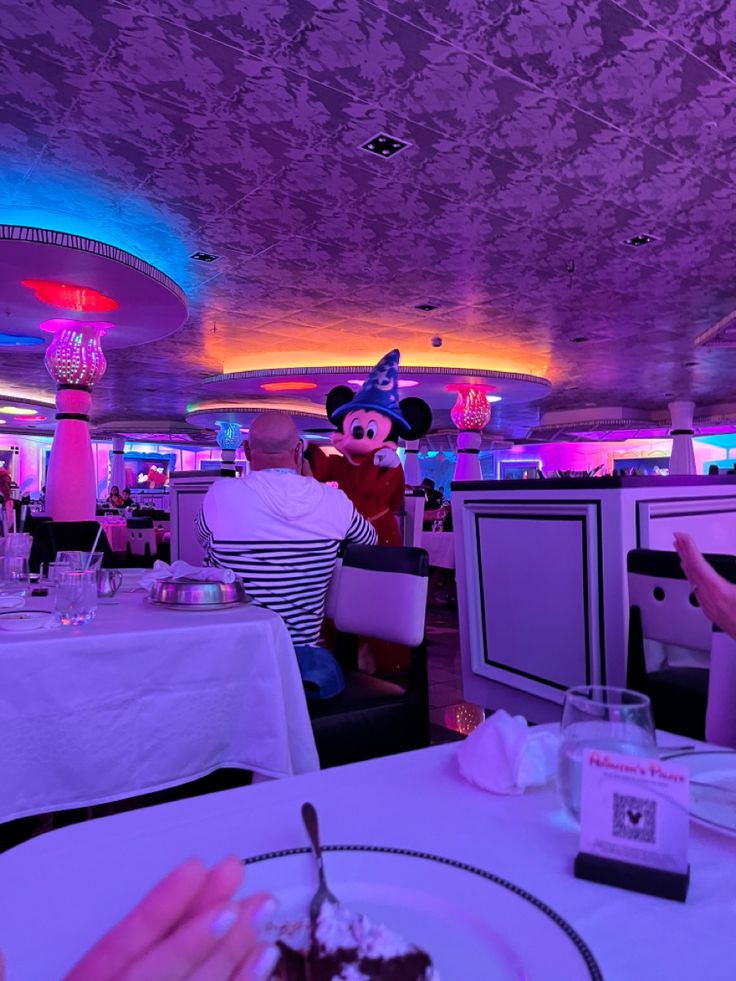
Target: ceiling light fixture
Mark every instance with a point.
(19, 340)
(638, 240)
(204, 257)
(288, 386)
(17, 410)
(384, 145)
(403, 382)
(426, 307)
(579, 340)
(67, 296)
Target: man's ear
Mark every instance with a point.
(336, 398)
(419, 416)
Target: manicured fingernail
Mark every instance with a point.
(223, 921)
(264, 913)
(263, 966)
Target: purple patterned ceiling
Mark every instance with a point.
(542, 135)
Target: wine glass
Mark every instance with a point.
(601, 717)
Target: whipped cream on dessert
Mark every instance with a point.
(347, 946)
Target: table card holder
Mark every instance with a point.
(634, 824)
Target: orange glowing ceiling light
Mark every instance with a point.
(288, 386)
(67, 296)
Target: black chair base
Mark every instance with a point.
(374, 716)
(679, 700)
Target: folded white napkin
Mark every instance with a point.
(182, 570)
(505, 756)
(11, 601)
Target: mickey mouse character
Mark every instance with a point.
(370, 423)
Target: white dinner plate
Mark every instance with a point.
(20, 620)
(709, 807)
(474, 925)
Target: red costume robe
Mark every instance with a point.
(376, 492)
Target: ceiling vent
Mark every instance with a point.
(384, 145)
(636, 241)
(204, 257)
(426, 307)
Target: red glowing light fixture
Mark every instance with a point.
(471, 412)
(33, 418)
(83, 299)
(288, 386)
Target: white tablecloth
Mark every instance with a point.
(60, 892)
(441, 548)
(145, 698)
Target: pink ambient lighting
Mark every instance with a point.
(288, 386)
(82, 299)
(33, 418)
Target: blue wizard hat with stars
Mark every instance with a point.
(379, 392)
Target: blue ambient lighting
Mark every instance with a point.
(78, 205)
(20, 340)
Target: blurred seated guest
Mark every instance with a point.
(716, 596)
(189, 926)
(713, 470)
(115, 498)
(6, 483)
(280, 533)
(434, 497)
(127, 498)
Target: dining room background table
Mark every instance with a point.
(144, 698)
(61, 891)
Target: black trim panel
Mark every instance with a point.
(583, 520)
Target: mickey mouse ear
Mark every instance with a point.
(336, 399)
(418, 415)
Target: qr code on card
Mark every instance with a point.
(634, 818)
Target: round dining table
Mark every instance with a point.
(143, 698)
(60, 892)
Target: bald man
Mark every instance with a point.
(280, 533)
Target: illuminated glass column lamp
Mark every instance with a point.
(470, 413)
(229, 439)
(75, 361)
(682, 458)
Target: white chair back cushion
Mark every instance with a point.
(332, 591)
(381, 592)
(668, 614)
(720, 716)
(139, 538)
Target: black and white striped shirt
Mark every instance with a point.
(280, 533)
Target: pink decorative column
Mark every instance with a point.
(117, 468)
(470, 413)
(75, 361)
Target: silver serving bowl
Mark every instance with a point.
(191, 592)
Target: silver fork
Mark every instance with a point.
(323, 894)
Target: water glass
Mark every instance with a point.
(78, 560)
(18, 544)
(14, 575)
(600, 717)
(76, 596)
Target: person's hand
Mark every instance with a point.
(188, 928)
(716, 596)
(386, 457)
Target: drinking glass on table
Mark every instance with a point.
(76, 596)
(14, 575)
(78, 560)
(604, 718)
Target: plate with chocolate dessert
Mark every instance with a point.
(410, 916)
